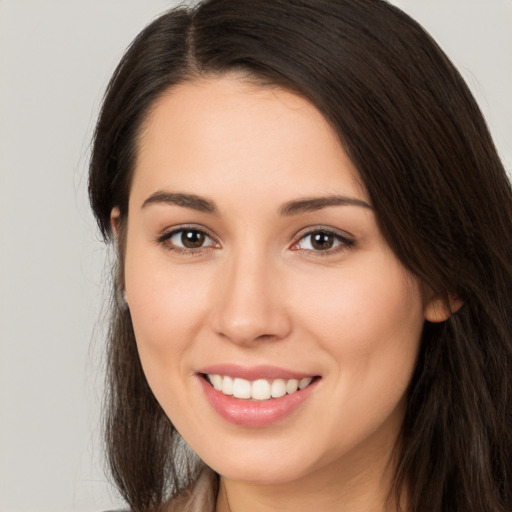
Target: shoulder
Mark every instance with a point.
(201, 496)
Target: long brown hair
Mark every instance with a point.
(442, 198)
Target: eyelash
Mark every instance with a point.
(165, 240)
(344, 243)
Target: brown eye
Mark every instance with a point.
(322, 241)
(187, 240)
(192, 239)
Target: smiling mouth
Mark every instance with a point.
(260, 389)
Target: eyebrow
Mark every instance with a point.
(317, 203)
(288, 209)
(191, 201)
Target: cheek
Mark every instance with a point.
(371, 303)
(369, 325)
(174, 300)
(369, 321)
(168, 307)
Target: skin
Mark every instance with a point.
(258, 293)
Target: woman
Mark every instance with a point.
(314, 274)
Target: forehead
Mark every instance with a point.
(227, 130)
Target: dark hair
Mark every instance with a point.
(442, 199)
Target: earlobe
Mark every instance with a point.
(437, 310)
(115, 218)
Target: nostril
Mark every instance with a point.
(263, 337)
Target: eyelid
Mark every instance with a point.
(164, 237)
(348, 240)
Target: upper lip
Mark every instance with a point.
(253, 372)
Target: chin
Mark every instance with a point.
(263, 463)
(259, 473)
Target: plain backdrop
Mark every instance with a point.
(55, 59)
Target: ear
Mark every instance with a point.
(115, 217)
(115, 225)
(437, 310)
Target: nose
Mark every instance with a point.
(251, 303)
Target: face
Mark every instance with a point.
(271, 317)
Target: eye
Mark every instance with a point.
(187, 239)
(323, 240)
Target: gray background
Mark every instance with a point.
(55, 60)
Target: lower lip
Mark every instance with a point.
(249, 413)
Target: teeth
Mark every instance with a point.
(216, 381)
(291, 386)
(304, 383)
(278, 388)
(241, 388)
(260, 389)
(227, 385)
